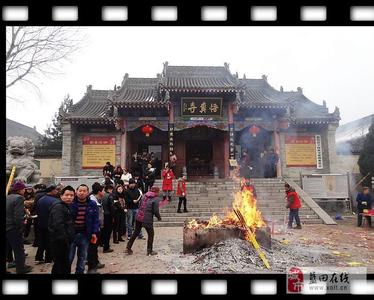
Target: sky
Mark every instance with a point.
(335, 64)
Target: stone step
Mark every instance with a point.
(184, 216)
(181, 224)
(194, 183)
(221, 203)
(195, 214)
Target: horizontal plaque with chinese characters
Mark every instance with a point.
(201, 106)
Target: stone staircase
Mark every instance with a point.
(212, 197)
(271, 202)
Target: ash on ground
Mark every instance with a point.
(238, 256)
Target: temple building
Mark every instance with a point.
(207, 116)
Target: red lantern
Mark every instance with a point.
(147, 130)
(254, 130)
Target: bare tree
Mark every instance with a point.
(33, 51)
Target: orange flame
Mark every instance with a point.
(245, 202)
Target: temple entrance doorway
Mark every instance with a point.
(258, 147)
(199, 158)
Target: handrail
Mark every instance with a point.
(310, 202)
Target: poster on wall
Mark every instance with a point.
(300, 151)
(97, 150)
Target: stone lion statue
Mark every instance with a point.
(20, 153)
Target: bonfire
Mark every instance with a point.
(245, 203)
(243, 214)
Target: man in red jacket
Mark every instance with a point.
(167, 183)
(293, 203)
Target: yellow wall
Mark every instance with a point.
(50, 166)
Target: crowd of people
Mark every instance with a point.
(265, 165)
(73, 223)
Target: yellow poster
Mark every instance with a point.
(97, 151)
(300, 151)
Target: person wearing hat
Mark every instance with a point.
(39, 192)
(364, 201)
(42, 209)
(14, 225)
(149, 207)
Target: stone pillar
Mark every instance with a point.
(226, 155)
(331, 148)
(282, 153)
(277, 151)
(230, 144)
(68, 147)
(231, 132)
(123, 127)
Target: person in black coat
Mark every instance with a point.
(40, 191)
(364, 201)
(108, 202)
(139, 182)
(61, 231)
(42, 209)
(119, 220)
(117, 174)
(14, 225)
(149, 178)
(108, 170)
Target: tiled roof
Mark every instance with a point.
(148, 93)
(137, 92)
(258, 93)
(198, 78)
(92, 108)
(14, 128)
(306, 111)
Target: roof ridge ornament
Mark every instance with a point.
(227, 66)
(166, 64)
(300, 90)
(336, 112)
(125, 79)
(89, 89)
(281, 88)
(264, 77)
(244, 77)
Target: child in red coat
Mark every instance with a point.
(181, 193)
(167, 183)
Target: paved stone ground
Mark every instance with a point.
(345, 242)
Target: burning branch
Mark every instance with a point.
(250, 236)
